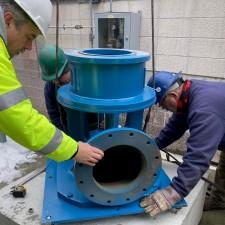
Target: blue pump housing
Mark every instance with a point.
(111, 83)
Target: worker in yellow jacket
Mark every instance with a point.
(21, 21)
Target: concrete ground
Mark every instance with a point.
(28, 211)
(214, 217)
(26, 168)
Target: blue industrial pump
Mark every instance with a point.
(111, 83)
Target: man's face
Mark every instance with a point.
(64, 79)
(169, 102)
(20, 38)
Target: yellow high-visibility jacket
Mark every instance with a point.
(20, 121)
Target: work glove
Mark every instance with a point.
(160, 201)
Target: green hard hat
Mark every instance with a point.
(47, 61)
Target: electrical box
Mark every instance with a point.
(117, 30)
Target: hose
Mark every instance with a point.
(176, 161)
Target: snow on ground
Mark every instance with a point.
(12, 156)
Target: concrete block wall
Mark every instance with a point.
(189, 37)
(28, 72)
(71, 13)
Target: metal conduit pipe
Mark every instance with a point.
(2, 138)
(57, 40)
(110, 5)
(91, 34)
(77, 26)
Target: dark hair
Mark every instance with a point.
(20, 16)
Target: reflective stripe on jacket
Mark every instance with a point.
(20, 121)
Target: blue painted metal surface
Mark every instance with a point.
(58, 211)
(134, 119)
(107, 80)
(73, 101)
(108, 73)
(130, 166)
(110, 82)
(74, 193)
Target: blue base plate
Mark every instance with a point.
(58, 209)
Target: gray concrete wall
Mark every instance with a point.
(190, 35)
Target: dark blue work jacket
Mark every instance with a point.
(57, 114)
(205, 119)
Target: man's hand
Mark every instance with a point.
(88, 154)
(160, 201)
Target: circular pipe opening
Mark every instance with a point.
(106, 52)
(119, 167)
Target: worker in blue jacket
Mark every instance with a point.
(197, 106)
(47, 61)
